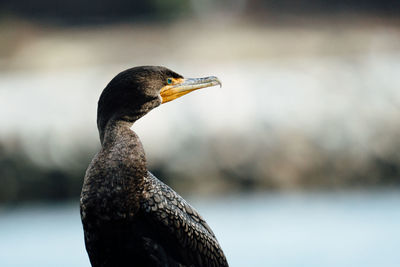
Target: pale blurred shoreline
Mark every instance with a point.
(308, 105)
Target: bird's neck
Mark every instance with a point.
(119, 133)
(120, 141)
(115, 130)
(109, 120)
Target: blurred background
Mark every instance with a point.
(295, 161)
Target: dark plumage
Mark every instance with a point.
(130, 218)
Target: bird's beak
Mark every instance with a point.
(181, 86)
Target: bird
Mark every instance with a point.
(129, 217)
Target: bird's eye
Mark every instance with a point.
(169, 80)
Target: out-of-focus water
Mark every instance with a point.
(308, 229)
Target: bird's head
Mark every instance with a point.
(134, 92)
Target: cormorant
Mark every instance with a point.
(129, 217)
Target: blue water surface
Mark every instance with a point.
(295, 229)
